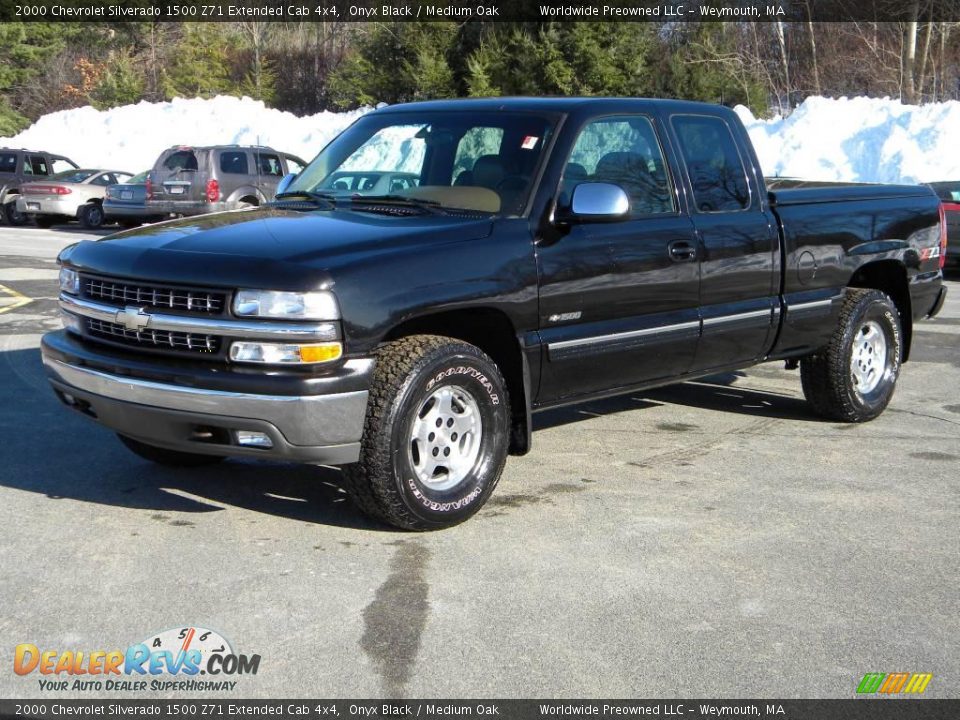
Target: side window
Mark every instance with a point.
(475, 143)
(105, 179)
(269, 164)
(716, 171)
(233, 162)
(8, 162)
(623, 151)
(181, 160)
(38, 164)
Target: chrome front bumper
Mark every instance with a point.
(314, 428)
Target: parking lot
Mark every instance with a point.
(709, 539)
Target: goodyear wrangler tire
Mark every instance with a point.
(436, 434)
(852, 379)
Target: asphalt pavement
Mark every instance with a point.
(713, 538)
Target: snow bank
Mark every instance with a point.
(860, 140)
(132, 136)
(855, 139)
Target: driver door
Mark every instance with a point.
(619, 302)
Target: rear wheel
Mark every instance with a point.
(162, 456)
(436, 434)
(852, 379)
(91, 216)
(13, 216)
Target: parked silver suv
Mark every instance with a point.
(198, 180)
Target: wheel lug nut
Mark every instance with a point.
(431, 436)
(446, 452)
(436, 451)
(439, 422)
(453, 437)
(450, 422)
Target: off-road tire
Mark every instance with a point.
(11, 215)
(170, 458)
(92, 216)
(384, 483)
(827, 376)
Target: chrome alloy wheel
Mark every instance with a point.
(445, 438)
(868, 361)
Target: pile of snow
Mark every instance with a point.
(860, 140)
(855, 139)
(131, 137)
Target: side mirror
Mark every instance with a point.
(595, 202)
(285, 182)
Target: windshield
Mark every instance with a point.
(73, 176)
(475, 161)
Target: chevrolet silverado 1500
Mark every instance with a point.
(540, 252)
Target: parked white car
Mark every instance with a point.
(69, 195)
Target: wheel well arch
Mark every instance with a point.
(890, 277)
(252, 199)
(493, 332)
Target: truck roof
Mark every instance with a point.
(554, 104)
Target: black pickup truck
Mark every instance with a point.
(544, 251)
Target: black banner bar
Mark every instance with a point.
(477, 10)
(188, 709)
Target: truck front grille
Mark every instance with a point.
(151, 296)
(154, 339)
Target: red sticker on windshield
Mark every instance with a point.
(529, 142)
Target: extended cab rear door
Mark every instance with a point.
(737, 237)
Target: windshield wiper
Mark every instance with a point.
(324, 200)
(429, 206)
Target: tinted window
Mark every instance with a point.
(233, 162)
(623, 151)
(181, 160)
(38, 164)
(716, 171)
(105, 179)
(476, 142)
(8, 162)
(269, 165)
(947, 191)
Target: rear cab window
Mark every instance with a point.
(717, 174)
(234, 162)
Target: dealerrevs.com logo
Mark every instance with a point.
(173, 660)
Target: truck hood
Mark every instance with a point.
(284, 249)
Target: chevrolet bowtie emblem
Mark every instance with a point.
(133, 318)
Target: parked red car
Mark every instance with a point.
(949, 194)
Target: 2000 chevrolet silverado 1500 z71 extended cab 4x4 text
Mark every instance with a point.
(546, 251)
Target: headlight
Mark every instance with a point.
(319, 305)
(285, 353)
(69, 281)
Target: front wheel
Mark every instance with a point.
(436, 434)
(852, 379)
(91, 216)
(171, 458)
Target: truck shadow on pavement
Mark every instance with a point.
(715, 392)
(52, 451)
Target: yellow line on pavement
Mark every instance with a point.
(19, 299)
